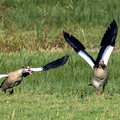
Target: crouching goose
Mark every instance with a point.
(100, 72)
(14, 78)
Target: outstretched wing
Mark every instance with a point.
(79, 48)
(107, 43)
(3, 75)
(51, 65)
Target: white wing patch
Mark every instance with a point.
(3, 75)
(107, 54)
(37, 69)
(86, 57)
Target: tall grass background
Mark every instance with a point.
(38, 24)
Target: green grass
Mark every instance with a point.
(31, 35)
(38, 24)
(57, 12)
(29, 106)
(56, 94)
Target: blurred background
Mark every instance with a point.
(38, 24)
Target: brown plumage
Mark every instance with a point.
(99, 66)
(100, 76)
(14, 78)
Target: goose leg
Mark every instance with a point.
(12, 91)
(99, 93)
(103, 89)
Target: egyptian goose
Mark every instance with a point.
(14, 78)
(100, 72)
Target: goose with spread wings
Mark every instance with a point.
(14, 78)
(99, 66)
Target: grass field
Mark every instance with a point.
(62, 93)
(31, 35)
(38, 24)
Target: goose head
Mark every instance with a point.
(101, 64)
(26, 71)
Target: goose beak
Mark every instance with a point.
(27, 69)
(30, 71)
(101, 62)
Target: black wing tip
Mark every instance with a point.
(64, 59)
(66, 56)
(110, 35)
(66, 35)
(65, 32)
(74, 43)
(114, 22)
(114, 25)
(114, 28)
(57, 63)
